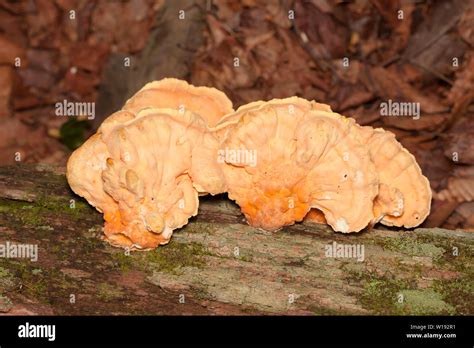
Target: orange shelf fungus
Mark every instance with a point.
(404, 198)
(146, 166)
(404, 193)
(209, 103)
(305, 157)
(282, 161)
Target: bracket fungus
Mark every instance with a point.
(404, 193)
(210, 103)
(404, 197)
(307, 158)
(282, 161)
(311, 157)
(146, 166)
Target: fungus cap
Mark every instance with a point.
(404, 198)
(304, 157)
(209, 103)
(404, 193)
(148, 174)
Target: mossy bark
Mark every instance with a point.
(218, 264)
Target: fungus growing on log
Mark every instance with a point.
(282, 161)
(306, 158)
(376, 170)
(146, 166)
(148, 175)
(404, 193)
(404, 197)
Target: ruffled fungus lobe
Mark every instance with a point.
(305, 157)
(404, 197)
(149, 174)
(143, 176)
(404, 194)
(209, 103)
(145, 167)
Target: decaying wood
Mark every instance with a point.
(218, 264)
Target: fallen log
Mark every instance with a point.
(217, 264)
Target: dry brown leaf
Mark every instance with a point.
(326, 35)
(459, 143)
(460, 186)
(6, 87)
(364, 116)
(9, 50)
(424, 122)
(465, 27)
(36, 78)
(464, 80)
(390, 85)
(350, 96)
(466, 212)
(89, 57)
(439, 19)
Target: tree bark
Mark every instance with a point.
(169, 52)
(217, 264)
